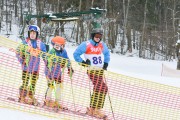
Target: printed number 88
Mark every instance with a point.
(97, 60)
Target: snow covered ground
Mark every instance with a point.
(150, 70)
(7, 114)
(131, 66)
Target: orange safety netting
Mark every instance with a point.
(127, 98)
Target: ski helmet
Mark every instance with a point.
(96, 31)
(33, 28)
(58, 40)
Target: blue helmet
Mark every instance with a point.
(34, 28)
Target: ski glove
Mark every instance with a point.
(105, 66)
(63, 64)
(47, 65)
(23, 60)
(70, 71)
(23, 57)
(85, 63)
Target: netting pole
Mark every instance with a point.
(109, 99)
(70, 75)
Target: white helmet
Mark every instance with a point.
(34, 28)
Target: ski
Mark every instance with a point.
(57, 110)
(28, 103)
(104, 118)
(78, 112)
(51, 109)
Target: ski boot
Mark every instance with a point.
(22, 95)
(31, 99)
(49, 103)
(90, 111)
(96, 113)
(58, 106)
(99, 114)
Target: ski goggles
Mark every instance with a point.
(58, 45)
(33, 28)
(98, 36)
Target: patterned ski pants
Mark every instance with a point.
(99, 88)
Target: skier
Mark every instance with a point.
(96, 54)
(56, 62)
(28, 54)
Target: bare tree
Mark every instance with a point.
(142, 41)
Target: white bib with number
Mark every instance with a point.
(94, 54)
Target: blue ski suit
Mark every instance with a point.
(55, 63)
(29, 62)
(98, 55)
(82, 49)
(28, 54)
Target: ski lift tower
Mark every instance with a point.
(69, 16)
(64, 16)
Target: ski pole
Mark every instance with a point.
(89, 81)
(89, 89)
(70, 75)
(109, 99)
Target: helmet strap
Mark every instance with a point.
(92, 36)
(59, 51)
(36, 34)
(96, 42)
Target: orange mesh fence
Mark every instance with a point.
(127, 98)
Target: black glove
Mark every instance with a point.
(88, 62)
(24, 63)
(63, 63)
(70, 70)
(23, 57)
(46, 63)
(105, 66)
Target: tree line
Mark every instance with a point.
(149, 26)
